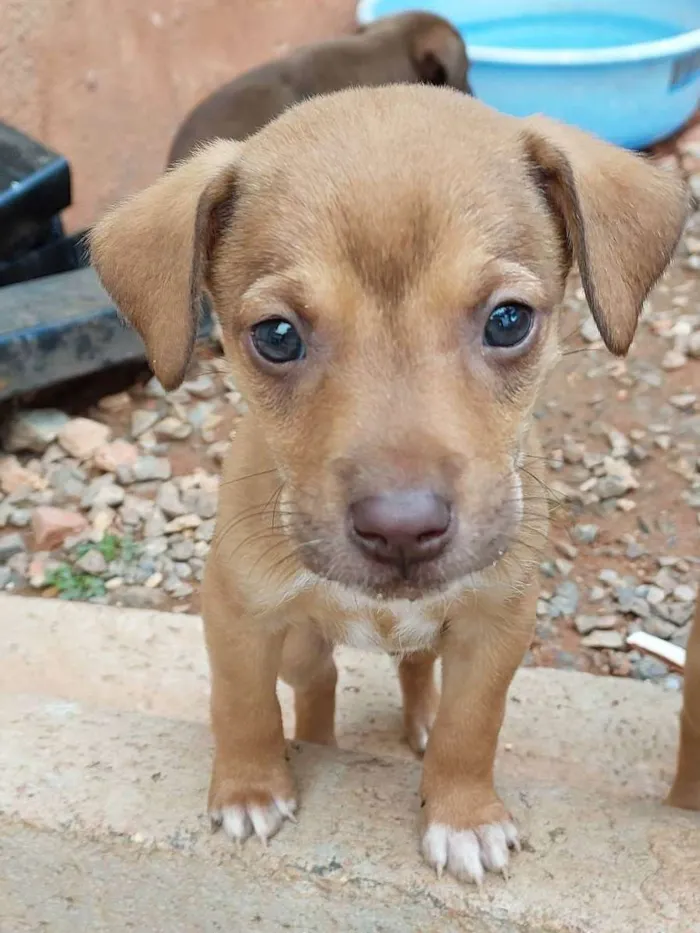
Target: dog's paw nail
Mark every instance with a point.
(287, 808)
(236, 823)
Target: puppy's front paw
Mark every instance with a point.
(245, 808)
(468, 853)
(468, 840)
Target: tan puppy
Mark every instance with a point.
(686, 787)
(409, 48)
(391, 318)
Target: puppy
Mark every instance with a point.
(408, 48)
(391, 319)
(686, 787)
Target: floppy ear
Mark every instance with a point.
(439, 57)
(622, 216)
(151, 253)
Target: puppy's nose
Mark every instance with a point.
(401, 528)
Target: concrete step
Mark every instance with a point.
(563, 724)
(104, 763)
(103, 830)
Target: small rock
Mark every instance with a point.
(5, 577)
(589, 331)
(140, 597)
(632, 604)
(683, 402)
(202, 387)
(665, 580)
(101, 495)
(155, 524)
(202, 502)
(658, 627)
(92, 562)
(143, 420)
(10, 545)
(52, 526)
(102, 521)
(586, 624)
(182, 523)
(218, 451)
(198, 414)
(153, 389)
(34, 430)
(649, 669)
(39, 568)
(565, 600)
(182, 550)
(654, 595)
(675, 613)
(205, 532)
(14, 477)
(596, 594)
(673, 359)
(564, 567)
(585, 534)
(684, 593)
(155, 547)
(694, 345)
(619, 444)
(177, 588)
(673, 682)
(172, 429)
(564, 547)
(169, 501)
(626, 505)
(600, 638)
(609, 576)
(612, 487)
(81, 437)
(151, 468)
(110, 457)
(114, 403)
(635, 550)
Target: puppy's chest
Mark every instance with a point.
(399, 627)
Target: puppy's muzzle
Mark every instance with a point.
(401, 528)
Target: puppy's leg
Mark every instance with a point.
(308, 667)
(685, 792)
(251, 789)
(420, 697)
(466, 827)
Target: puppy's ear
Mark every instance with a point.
(439, 57)
(151, 253)
(622, 217)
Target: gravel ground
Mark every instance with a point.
(117, 505)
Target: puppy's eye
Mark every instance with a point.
(278, 341)
(508, 325)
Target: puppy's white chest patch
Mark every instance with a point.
(400, 626)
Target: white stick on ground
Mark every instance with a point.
(673, 655)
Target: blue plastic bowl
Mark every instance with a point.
(626, 70)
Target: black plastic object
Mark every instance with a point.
(59, 254)
(59, 328)
(35, 186)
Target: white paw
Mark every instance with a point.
(239, 822)
(467, 853)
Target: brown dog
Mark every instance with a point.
(409, 48)
(390, 318)
(686, 787)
